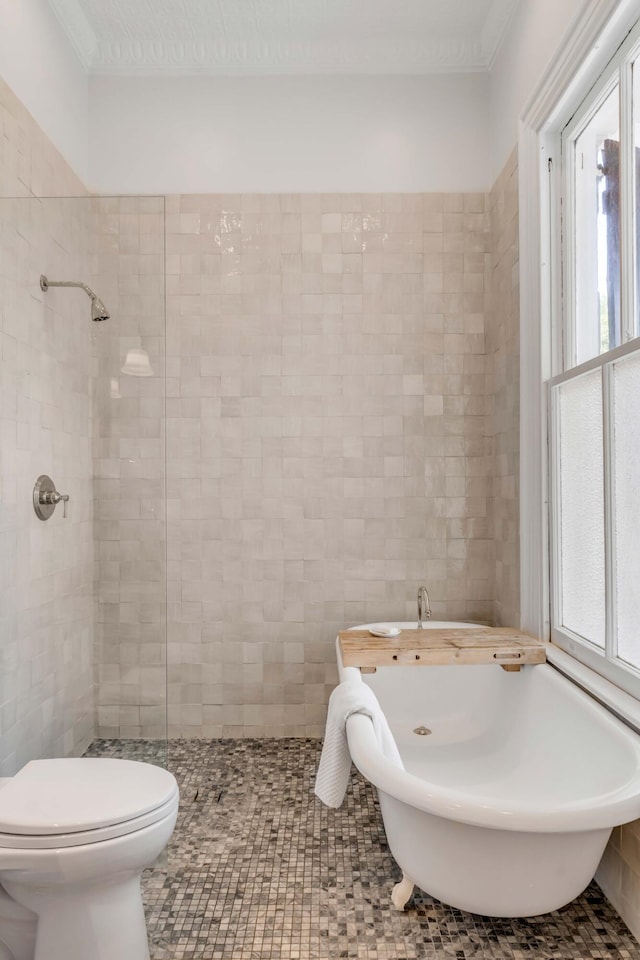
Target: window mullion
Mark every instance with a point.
(568, 243)
(555, 545)
(627, 283)
(611, 634)
(554, 151)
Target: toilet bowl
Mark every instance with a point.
(75, 836)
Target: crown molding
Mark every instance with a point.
(219, 37)
(282, 58)
(495, 30)
(78, 30)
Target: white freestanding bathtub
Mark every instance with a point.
(505, 807)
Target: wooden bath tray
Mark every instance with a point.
(441, 647)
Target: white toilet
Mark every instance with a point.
(75, 836)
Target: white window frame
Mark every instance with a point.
(594, 37)
(564, 365)
(617, 71)
(605, 662)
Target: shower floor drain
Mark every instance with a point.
(422, 731)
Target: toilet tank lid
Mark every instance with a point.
(66, 796)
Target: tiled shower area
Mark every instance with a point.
(328, 419)
(318, 435)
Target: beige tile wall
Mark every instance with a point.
(503, 360)
(619, 874)
(129, 473)
(327, 440)
(30, 166)
(46, 569)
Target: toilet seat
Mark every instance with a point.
(22, 841)
(70, 802)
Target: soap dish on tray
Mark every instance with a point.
(377, 630)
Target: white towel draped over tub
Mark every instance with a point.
(349, 697)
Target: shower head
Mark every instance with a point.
(98, 309)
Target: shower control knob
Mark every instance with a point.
(46, 497)
(53, 498)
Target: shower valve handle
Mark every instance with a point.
(46, 497)
(53, 497)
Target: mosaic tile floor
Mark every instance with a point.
(258, 869)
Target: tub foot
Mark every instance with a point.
(401, 893)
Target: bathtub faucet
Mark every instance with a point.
(424, 607)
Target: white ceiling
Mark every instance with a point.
(285, 36)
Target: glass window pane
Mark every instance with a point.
(597, 231)
(581, 522)
(626, 457)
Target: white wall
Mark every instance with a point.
(299, 134)
(331, 134)
(535, 34)
(40, 66)
(289, 134)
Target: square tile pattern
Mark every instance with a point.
(259, 869)
(503, 389)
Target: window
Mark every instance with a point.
(594, 398)
(596, 175)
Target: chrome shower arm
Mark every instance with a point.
(45, 284)
(98, 309)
